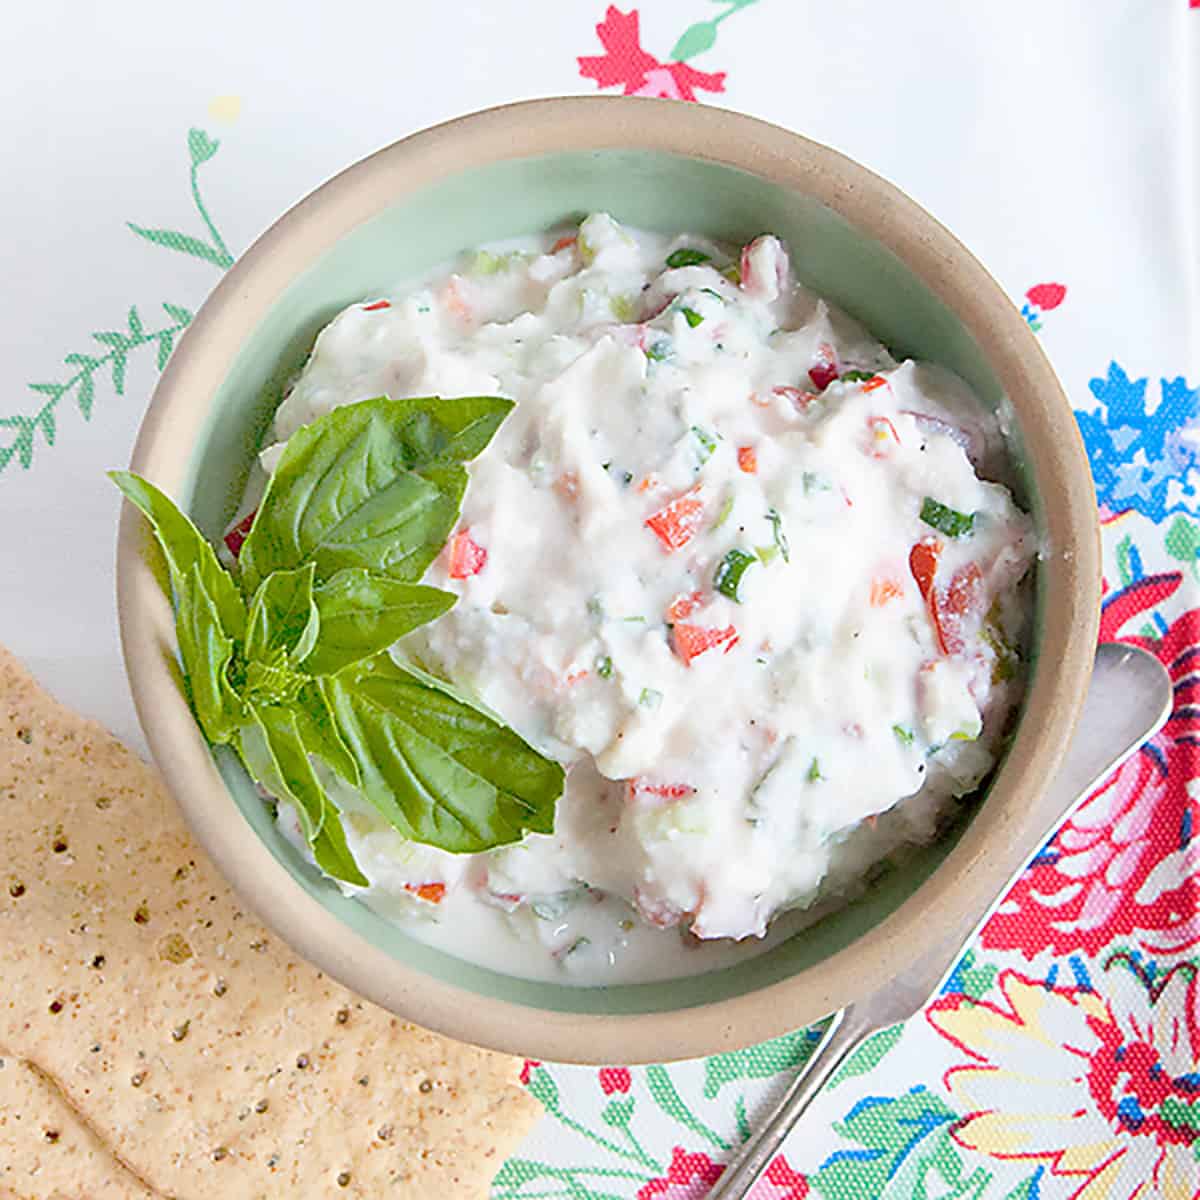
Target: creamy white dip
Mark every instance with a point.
(727, 561)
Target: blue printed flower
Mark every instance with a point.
(1142, 458)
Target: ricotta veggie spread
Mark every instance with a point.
(727, 561)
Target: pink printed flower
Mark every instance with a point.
(691, 1176)
(624, 63)
(1103, 1089)
(1046, 295)
(615, 1079)
(527, 1068)
(1125, 864)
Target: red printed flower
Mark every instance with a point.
(1125, 864)
(1046, 295)
(691, 1176)
(527, 1068)
(625, 64)
(615, 1079)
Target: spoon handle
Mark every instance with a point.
(845, 1031)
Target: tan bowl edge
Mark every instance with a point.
(973, 871)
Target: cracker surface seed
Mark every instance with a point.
(174, 1024)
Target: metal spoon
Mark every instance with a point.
(1128, 701)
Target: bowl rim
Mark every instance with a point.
(1057, 463)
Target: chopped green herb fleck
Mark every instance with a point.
(422, 308)
(692, 317)
(604, 667)
(945, 519)
(815, 483)
(781, 542)
(641, 619)
(766, 554)
(856, 376)
(577, 944)
(707, 443)
(732, 273)
(906, 736)
(711, 292)
(624, 308)
(729, 572)
(595, 607)
(1005, 665)
(726, 509)
(650, 698)
(660, 351)
(687, 258)
(814, 772)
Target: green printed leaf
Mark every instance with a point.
(867, 1056)
(85, 396)
(178, 313)
(117, 362)
(207, 652)
(618, 1112)
(440, 771)
(1124, 553)
(184, 547)
(112, 339)
(200, 146)
(135, 323)
(375, 485)
(695, 40)
(166, 343)
(53, 390)
(903, 1150)
(757, 1062)
(665, 1095)
(184, 243)
(362, 613)
(1182, 542)
(283, 617)
(543, 1088)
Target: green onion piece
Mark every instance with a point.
(733, 273)
(707, 443)
(659, 351)
(687, 258)
(815, 483)
(710, 292)
(1005, 665)
(781, 542)
(604, 667)
(766, 554)
(595, 607)
(726, 509)
(906, 736)
(692, 317)
(729, 573)
(814, 772)
(946, 520)
(650, 698)
(577, 944)
(856, 376)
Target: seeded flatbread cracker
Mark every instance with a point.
(204, 1054)
(46, 1151)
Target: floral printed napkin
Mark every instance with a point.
(147, 148)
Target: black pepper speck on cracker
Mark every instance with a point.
(131, 941)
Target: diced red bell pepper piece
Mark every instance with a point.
(563, 243)
(873, 384)
(638, 787)
(691, 640)
(467, 557)
(683, 606)
(825, 370)
(961, 598)
(884, 590)
(800, 399)
(677, 523)
(379, 304)
(747, 460)
(238, 534)
(433, 893)
(923, 563)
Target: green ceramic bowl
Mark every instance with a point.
(659, 165)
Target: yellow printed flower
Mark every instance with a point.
(1104, 1089)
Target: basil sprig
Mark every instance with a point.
(286, 658)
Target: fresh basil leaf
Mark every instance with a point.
(184, 546)
(319, 732)
(439, 770)
(275, 754)
(362, 613)
(283, 617)
(272, 682)
(207, 653)
(375, 484)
